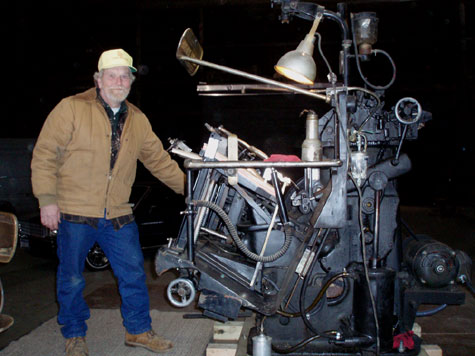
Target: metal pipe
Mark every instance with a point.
(214, 233)
(377, 213)
(263, 249)
(189, 214)
(395, 161)
(254, 77)
(202, 210)
(195, 164)
(346, 41)
(336, 138)
(280, 201)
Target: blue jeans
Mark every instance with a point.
(122, 248)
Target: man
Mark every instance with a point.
(83, 168)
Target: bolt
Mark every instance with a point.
(401, 347)
(440, 269)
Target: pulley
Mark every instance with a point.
(181, 292)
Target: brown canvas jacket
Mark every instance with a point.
(71, 159)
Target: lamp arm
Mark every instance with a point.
(346, 41)
(317, 20)
(343, 25)
(255, 77)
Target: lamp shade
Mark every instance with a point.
(299, 65)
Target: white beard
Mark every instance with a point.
(115, 95)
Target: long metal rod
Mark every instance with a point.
(263, 250)
(280, 200)
(403, 136)
(254, 77)
(243, 88)
(346, 41)
(377, 214)
(202, 210)
(214, 233)
(195, 164)
(189, 214)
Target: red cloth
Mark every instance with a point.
(406, 338)
(282, 158)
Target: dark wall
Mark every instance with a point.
(58, 44)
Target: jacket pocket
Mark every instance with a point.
(75, 175)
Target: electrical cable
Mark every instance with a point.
(469, 285)
(317, 298)
(370, 115)
(295, 347)
(234, 235)
(364, 90)
(332, 75)
(432, 311)
(363, 247)
(300, 344)
(338, 299)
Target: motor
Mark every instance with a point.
(433, 264)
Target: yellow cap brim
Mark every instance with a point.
(132, 69)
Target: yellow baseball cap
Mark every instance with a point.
(115, 58)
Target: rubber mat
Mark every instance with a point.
(105, 336)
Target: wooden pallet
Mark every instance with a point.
(426, 350)
(225, 338)
(430, 350)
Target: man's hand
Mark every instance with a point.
(50, 216)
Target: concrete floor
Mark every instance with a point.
(29, 284)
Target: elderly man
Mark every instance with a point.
(83, 168)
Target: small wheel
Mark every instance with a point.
(181, 292)
(96, 259)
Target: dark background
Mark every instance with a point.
(58, 43)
